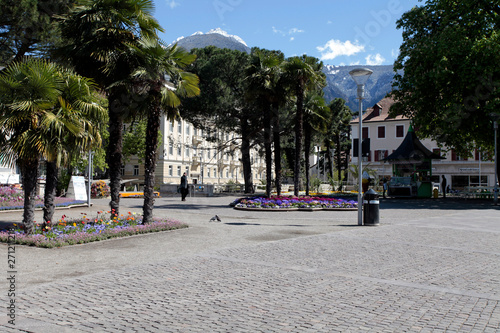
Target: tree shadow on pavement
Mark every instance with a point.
(441, 203)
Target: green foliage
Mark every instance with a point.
(315, 184)
(29, 27)
(353, 169)
(447, 79)
(134, 140)
(222, 85)
(63, 183)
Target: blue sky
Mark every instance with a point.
(339, 32)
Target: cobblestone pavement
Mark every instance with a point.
(431, 266)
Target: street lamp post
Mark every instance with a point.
(360, 76)
(495, 126)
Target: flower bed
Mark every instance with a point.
(282, 203)
(85, 230)
(13, 198)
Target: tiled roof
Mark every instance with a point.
(379, 112)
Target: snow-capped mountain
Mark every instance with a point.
(339, 82)
(216, 37)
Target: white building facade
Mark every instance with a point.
(186, 149)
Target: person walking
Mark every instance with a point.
(443, 185)
(184, 187)
(384, 186)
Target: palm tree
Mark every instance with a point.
(78, 105)
(263, 75)
(316, 113)
(98, 34)
(302, 73)
(160, 78)
(36, 109)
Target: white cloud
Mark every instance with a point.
(335, 48)
(292, 39)
(329, 22)
(374, 60)
(294, 31)
(172, 3)
(357, 63)
(290, 32)
(276, 31)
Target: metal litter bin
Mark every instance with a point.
(371, 208)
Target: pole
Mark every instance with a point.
(495, 195)
(360, 159)
(89, 178)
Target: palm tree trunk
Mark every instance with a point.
(114, 152)
(153, 127)
(277, 152)
(307, 151)
(30, 178)
(245, 155)
(50, 193)
(268, 151)
(299, 121)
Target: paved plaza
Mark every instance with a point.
(431, 266)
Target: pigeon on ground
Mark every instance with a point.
(215, 218)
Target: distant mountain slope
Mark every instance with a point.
(339, 82)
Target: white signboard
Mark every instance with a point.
(8, 178)
(77, 188)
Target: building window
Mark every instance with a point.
(136, 170)
(179, 151)
(187, 129)
(171, 125)
(365, 132)
(208, 172)
(122, 170)
(381, 132)
(170, 171)
(187, 151)
(170, 148)
(380, 155)
(457, 157)
(187, 171)
(179, 128)
(178, 170)
(400, 131)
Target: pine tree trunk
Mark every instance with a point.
(245, 156)
(50, 193)
(153, 127)
(277, 152)
(339, 162)
(299, 122)
(114, 152)
(329, 160)
(30, 178)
